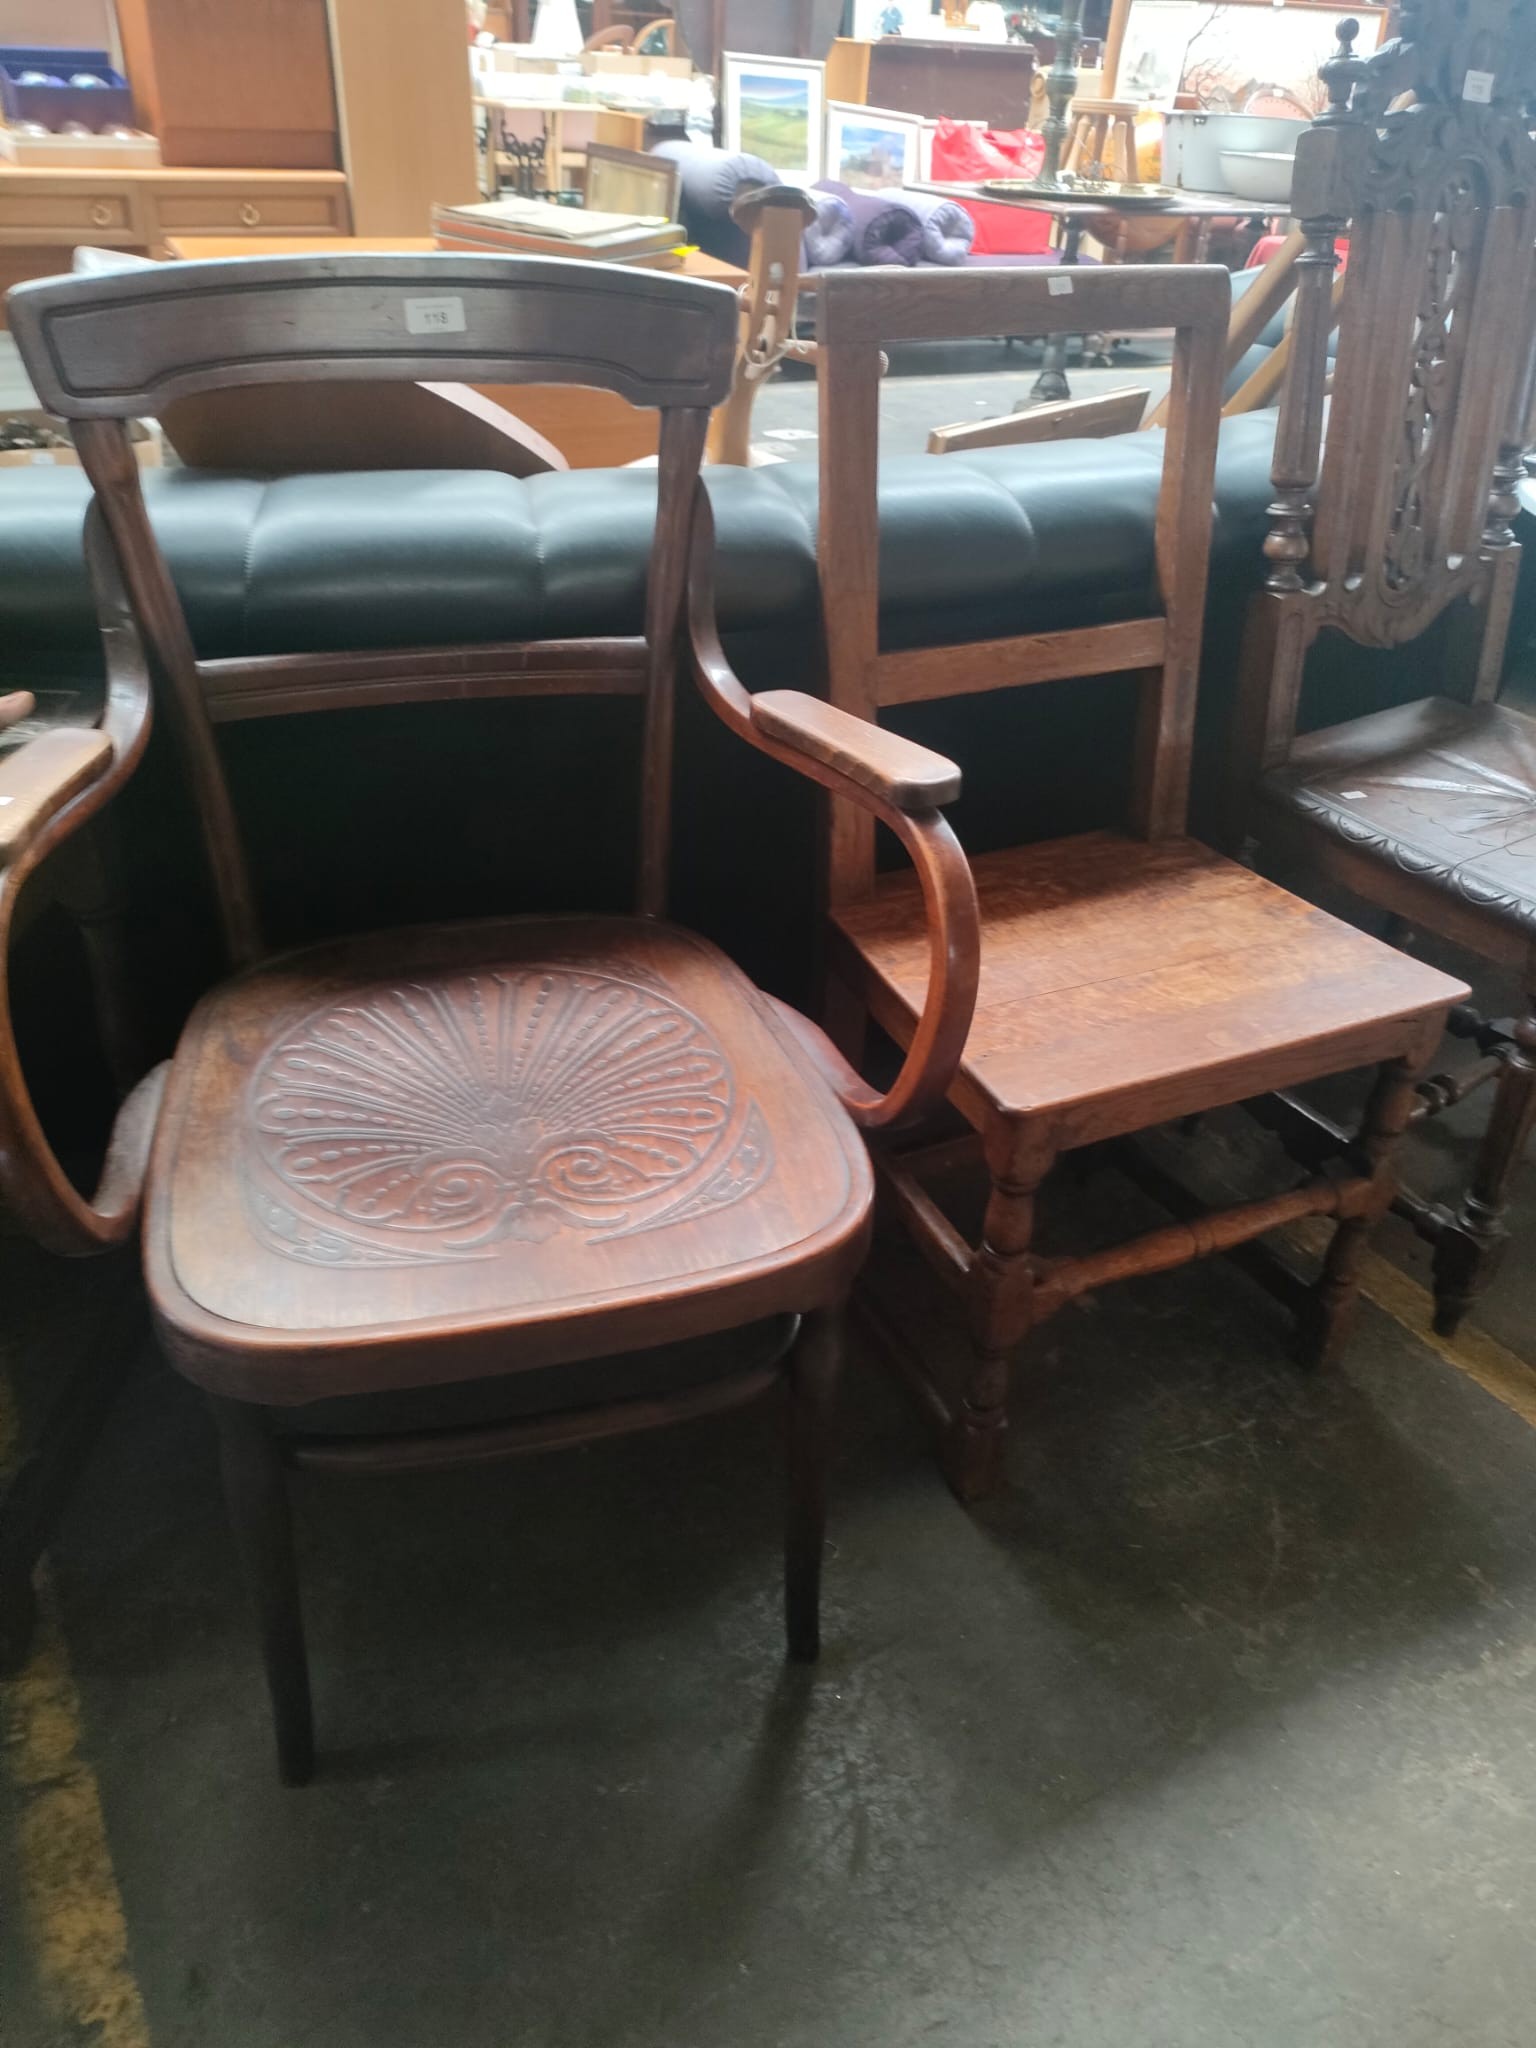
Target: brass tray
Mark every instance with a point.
(1090, 191)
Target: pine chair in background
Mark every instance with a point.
(1128, 978)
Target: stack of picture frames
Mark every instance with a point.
(775, 108)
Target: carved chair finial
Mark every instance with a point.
(1341, 72)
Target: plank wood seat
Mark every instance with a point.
(1129, 982)
(1401, 525)
(1127, 978)
(470, 1190)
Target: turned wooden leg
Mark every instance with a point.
(31, 1503)
(1471, 1244)
(256, 1494)
(1335, 1299)
(815, 1365)
(1001, 1311)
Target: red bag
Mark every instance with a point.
(969, 155)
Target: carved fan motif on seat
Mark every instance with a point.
(443, 1120)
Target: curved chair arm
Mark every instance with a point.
(49, 788)
(903, 784)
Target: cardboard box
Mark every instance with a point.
(625, 64)
(146, 444)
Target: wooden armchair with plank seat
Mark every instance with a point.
(431, 1197)
(1402, 524)
(1128, 978)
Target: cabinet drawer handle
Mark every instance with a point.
(101, 215)
(250, 216)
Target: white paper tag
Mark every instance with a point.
(1059, 287)
(1478, 86)
(434, 316)
(1353, 796)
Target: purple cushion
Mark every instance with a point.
(885, 228)
(828, 240)
(948, 230)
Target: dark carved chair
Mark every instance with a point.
(1129, 978)
(441, 1195)
(1401, 523)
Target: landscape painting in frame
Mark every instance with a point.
(870, 149)
(1236, 56)
(774, 108)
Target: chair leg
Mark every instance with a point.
(1471, 1244)
(1335, 1300)
(256, 1494)
(815, 1365)
(1001, 1311)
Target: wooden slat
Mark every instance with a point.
(273, 685)
(940, 1243)
(847, 560)
(1071, 419)
(927, 672)
(876, 307)
(1177, 1244)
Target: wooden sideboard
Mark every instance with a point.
(968, 81)
(46, 214)
(246, 83)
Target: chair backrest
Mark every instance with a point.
(102, 350)
(857, 313)
(1425, 157)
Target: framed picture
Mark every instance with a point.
(1237, 56)
(1157, 33)
(775, 109)
(872, 149)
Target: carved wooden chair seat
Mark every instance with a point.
(1434, 791)
(1128, 978)
(1426, 811)
(428, 1197)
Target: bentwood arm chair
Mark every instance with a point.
(434, 1196)
(1129, 978)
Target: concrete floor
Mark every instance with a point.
(1218, 1730)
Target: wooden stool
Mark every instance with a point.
(1100, 130)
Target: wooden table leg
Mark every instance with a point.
(1051, 385)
